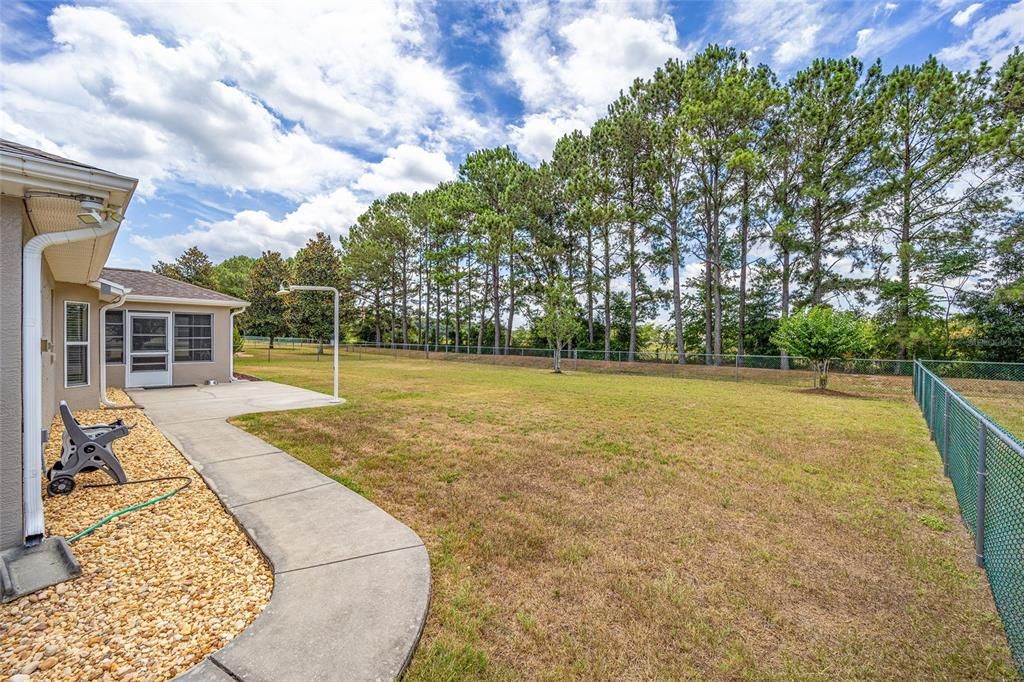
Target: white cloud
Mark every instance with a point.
(536, 137)
(250, 232)
(799, 46)
(248, 98)
(888, 32)
(570, 61)
(863, 36)
(963, 17)
(781, 31)
(230, 96)
(406, 168)
(991, 39)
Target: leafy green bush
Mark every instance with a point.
(822, 334)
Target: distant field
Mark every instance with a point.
(1002, 401)
(608, 526)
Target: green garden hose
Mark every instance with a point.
(111, 517)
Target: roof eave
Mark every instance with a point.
(174, 300)
(55, 176)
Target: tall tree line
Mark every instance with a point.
(724, 198)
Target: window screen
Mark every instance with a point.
(193, 338)
(76, 344)
(115, 337)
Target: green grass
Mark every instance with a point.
(601, 526)
(1007, 410)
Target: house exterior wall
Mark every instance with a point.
(78, 397)
(15, 231)
(182, 373)
(12, 229)
(188, 373)
(50, 354)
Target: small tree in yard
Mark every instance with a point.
(559, 321)
(821, 334)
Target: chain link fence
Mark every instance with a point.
(866, 376)
(986, 465)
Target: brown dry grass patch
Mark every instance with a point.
(591, 526)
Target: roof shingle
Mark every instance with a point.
(143, 283)
(24, 150)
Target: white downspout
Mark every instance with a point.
(231, 365)
(103, 350)
(32, 369)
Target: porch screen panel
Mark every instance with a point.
(114, 329)
(193, 338)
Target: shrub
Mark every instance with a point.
(821, 334)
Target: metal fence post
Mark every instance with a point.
(931, 408)
(945, 431)
(979, 533)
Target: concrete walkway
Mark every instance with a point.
(351, 583)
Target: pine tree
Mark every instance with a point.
(311, 313)
(833, 112)
(926, 205)
(193, 266)
(265, 315)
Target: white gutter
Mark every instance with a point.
(32, 368)
(103, 348)
(172, 300)
(63, 176)
(231, 366)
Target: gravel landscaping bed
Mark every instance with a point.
(162, 587)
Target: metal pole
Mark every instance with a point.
(979, 533)
(336, 296)
(945, 431)
(304, 287)
(931, 409)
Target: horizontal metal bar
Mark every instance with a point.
(988, 424)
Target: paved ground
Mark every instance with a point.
(351, 583)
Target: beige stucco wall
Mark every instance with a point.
(182, 373)
(15, 230)
(188, 373)
(12, 227)
(78, 397)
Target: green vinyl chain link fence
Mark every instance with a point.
(986, 465)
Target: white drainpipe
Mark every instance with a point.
(231, 366)
(103, 349)
(32, 369)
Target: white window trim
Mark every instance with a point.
(87, 343)
(213, 338)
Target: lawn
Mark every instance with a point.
(603, 526)
(1007, 410)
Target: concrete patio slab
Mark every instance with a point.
(215, 442)
(321, 525)
(358, 618)
(351, 583)
(195, 403)
(207, 671)
(259, 477)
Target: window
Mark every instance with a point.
(76, 344)
(115, 337)
(193, 338)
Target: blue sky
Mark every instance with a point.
(252, 126)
